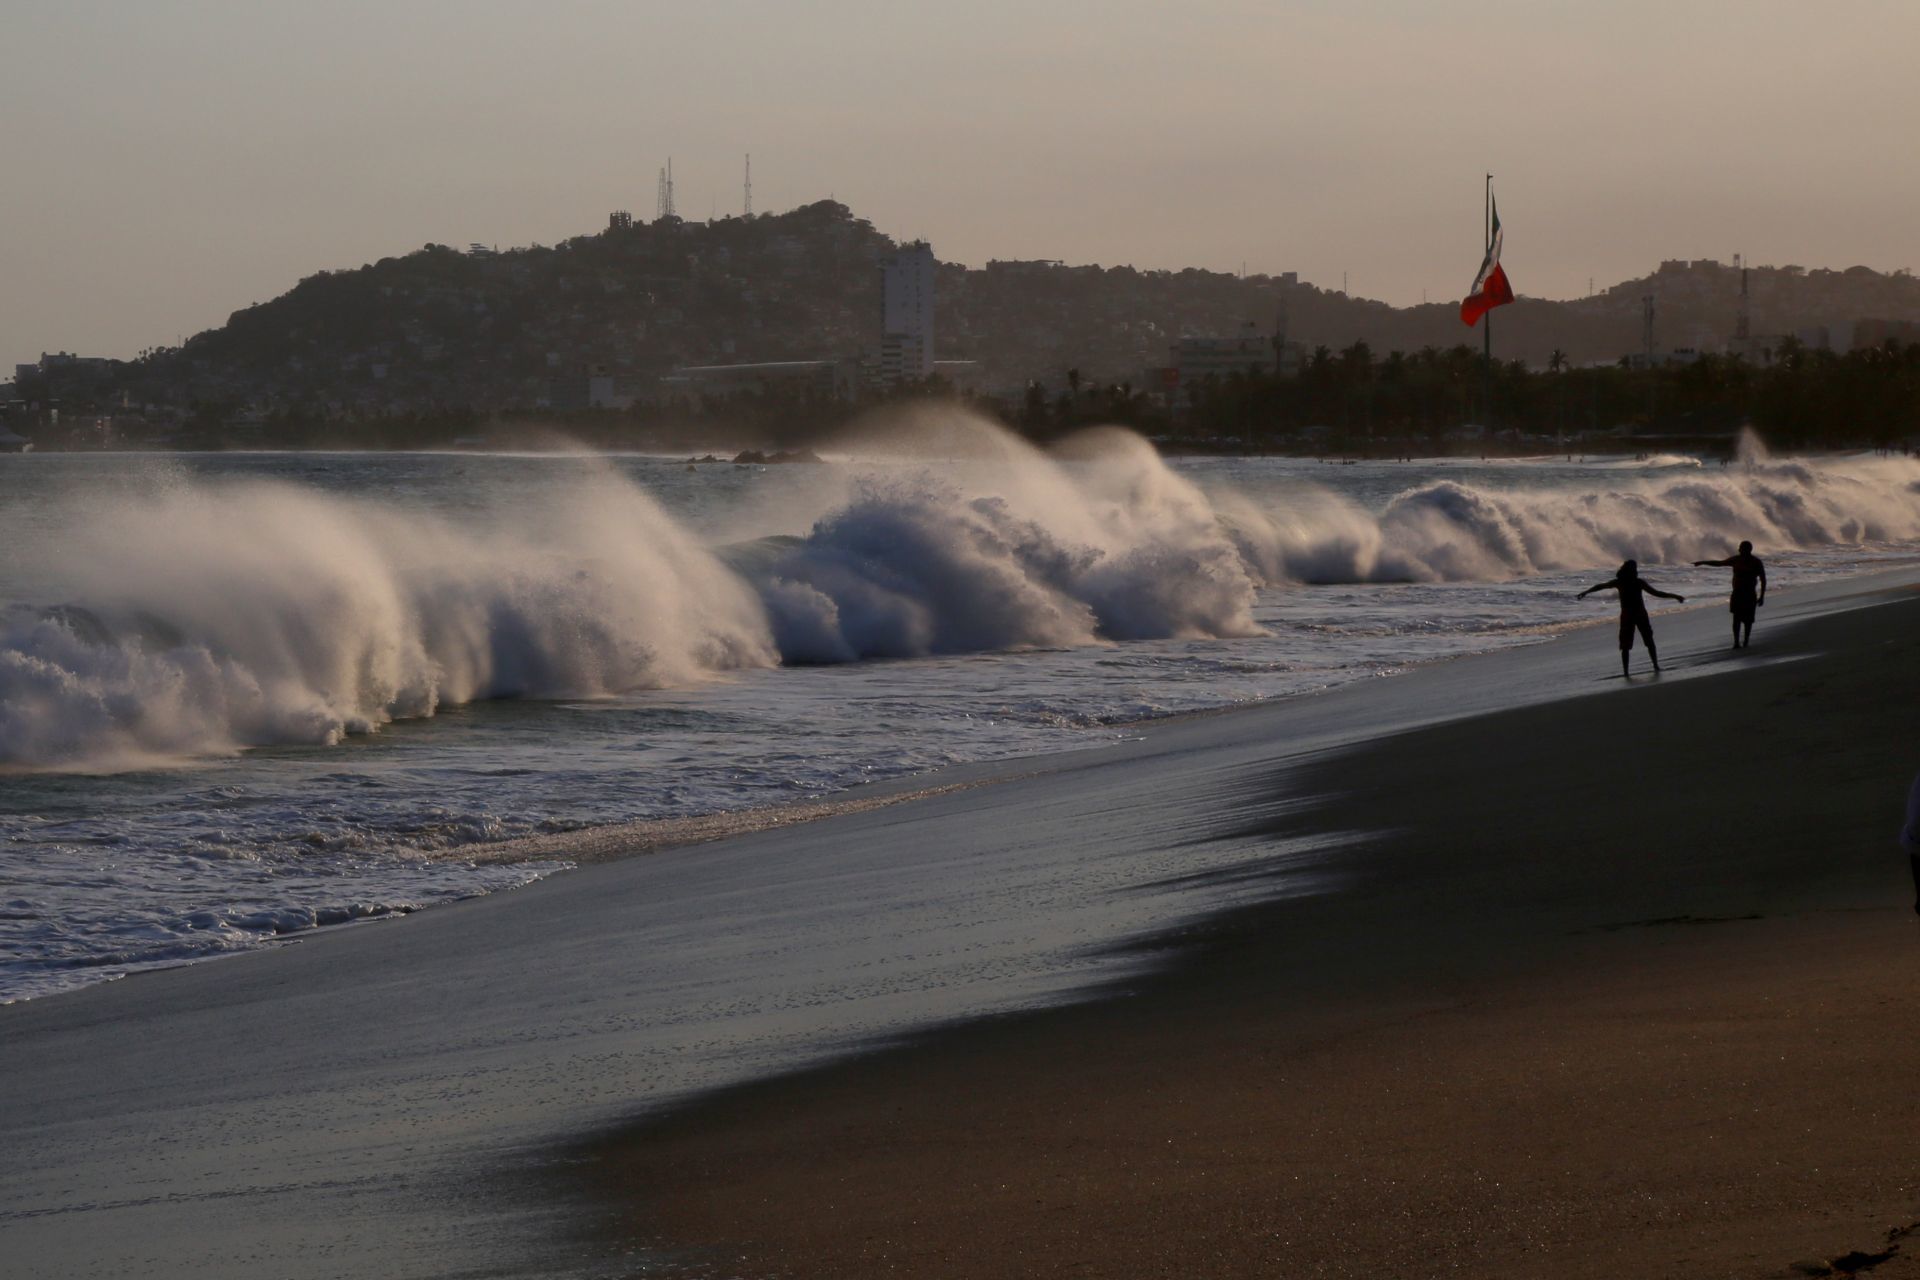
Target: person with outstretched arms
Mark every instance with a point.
(1749, 590)
(1633, 591)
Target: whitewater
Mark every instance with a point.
(245, 695)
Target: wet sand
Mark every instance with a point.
(1620, 985)
(614, 841)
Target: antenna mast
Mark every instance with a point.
(664, 208)
(748, 201)
(1743, 327)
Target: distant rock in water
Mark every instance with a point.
(753, 457)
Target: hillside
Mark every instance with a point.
(439, 328)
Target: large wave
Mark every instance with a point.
(1448, 531)
(200, 617)
(1098, 541)
(212, 616)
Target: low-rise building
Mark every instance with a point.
(1249, 351)
(831, 379)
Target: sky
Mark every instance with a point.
(164, 163)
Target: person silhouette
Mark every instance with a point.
(1910, 837)
(1749, 589)
(1633, 591)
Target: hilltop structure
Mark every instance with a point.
(816, 301)
(907, 282)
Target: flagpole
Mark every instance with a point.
(1486, 363)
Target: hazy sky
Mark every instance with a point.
(165, 162)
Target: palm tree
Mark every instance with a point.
(1356, 367)
(1557, 365)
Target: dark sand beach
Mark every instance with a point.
(1501, 967)
(1623, 985)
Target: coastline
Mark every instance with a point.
(219, 844)
(1622, 988)
(614, 841)
(423, 1097)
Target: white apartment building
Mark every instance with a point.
(906, 312)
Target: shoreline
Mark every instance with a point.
(427, 1088)
(378, 800)
(641, 837)
(1477, 1057)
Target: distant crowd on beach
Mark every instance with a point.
(1749, 593)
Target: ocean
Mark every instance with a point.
(245, 695)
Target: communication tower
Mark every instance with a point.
(747, 189)
(665, 205)
(1743, 324)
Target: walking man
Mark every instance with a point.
(1633, 591)
(1749, 590)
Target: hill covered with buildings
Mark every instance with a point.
(672, 314)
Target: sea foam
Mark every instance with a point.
(1451, 531)
(197, 617)
(209, 616)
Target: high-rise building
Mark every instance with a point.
(906, 312)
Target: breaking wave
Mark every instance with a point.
(1101, 541)
(1446, 531)
(210, 617)
(205, 617)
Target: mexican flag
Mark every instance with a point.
(1490, 287)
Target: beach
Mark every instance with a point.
(546, 734)
(1626, 988)
(1499, 967)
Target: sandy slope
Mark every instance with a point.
(1627, 986)
(407, 1098)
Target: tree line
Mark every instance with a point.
(1350, 401)
(1353, 400)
